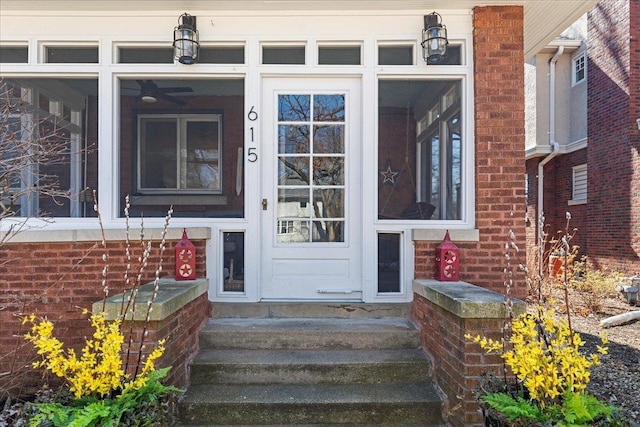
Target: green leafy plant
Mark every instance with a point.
(109, 412)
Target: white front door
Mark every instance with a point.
(311, 188)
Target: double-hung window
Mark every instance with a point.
(179, 153)
(579, 63)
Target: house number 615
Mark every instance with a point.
(252, 155)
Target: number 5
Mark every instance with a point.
(252, 156)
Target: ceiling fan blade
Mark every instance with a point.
(170, 98)
(174, 89)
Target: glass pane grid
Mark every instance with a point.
(311, 168)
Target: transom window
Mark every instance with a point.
(179, 153)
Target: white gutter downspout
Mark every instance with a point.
(555, 147)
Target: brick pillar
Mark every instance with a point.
(498, 45)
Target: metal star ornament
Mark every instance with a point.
(389, 175)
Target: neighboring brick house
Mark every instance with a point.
(584, 143)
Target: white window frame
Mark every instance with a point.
(578, 64)
(579, 185)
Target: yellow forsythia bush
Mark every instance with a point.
(98, 370)
(545, 357)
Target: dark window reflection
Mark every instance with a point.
(233, 264)
(388, 262)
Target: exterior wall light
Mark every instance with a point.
(434, 39)
(186, 40)
(638, 122)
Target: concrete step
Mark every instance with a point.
(358, 404)
(305, 333)
(310, 366)
(309, 309)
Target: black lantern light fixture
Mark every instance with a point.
(186, 40)
(434, 39)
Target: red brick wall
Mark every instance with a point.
(458, 362)
(558, 191)
(180, 330)
(58, 280)
(614, 141)
(634, 100)
(499, 150)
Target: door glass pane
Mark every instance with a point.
(327, 203)
(293, 170)
(295, 231)
(293, 139)
(298, 160)
(328, 108)
(328, 231)
(294, 108)
(328, 139)
(328, 171)
(293, 203)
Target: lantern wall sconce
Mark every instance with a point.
(434, 39)
(186, 40)
(638, 123)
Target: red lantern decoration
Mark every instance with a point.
(447, 268)
(185, 258)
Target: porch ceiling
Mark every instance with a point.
(544, 19)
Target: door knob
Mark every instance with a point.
(264, 204)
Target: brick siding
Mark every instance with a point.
(613, 229)
(56, 281)
(458, 362)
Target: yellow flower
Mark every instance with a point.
(99, 368)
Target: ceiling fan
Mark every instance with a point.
(150, 92)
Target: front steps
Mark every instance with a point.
(287, 371)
